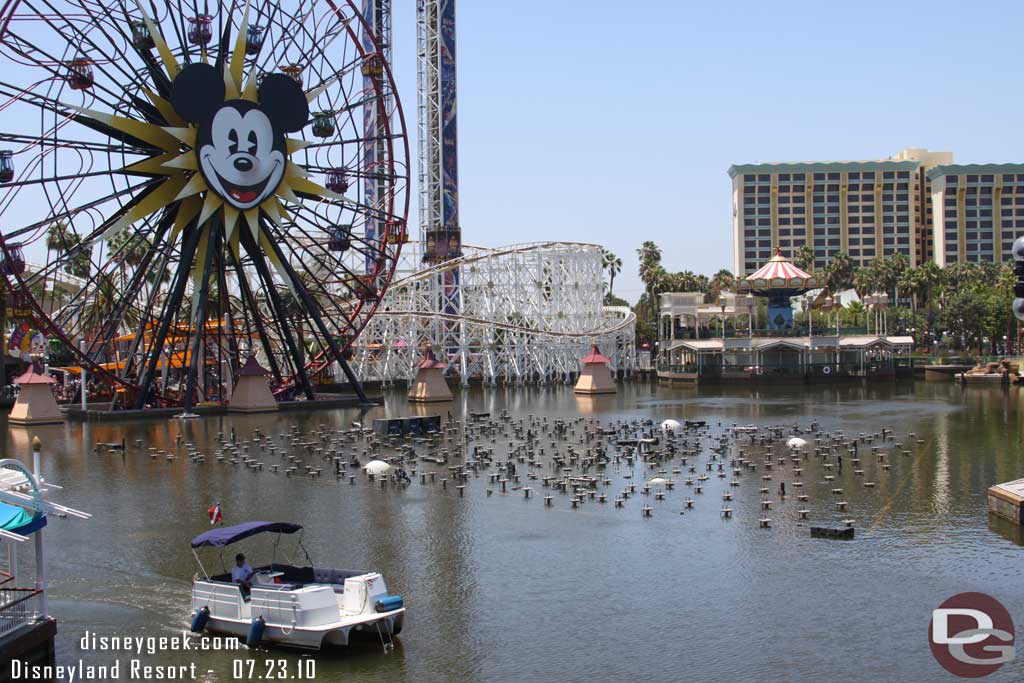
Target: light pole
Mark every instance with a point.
(751, 305)
(85, 402)
(721, 305)
(883, 304)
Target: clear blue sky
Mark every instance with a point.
(615, 122)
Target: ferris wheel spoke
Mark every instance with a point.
(168, 314)
(257, 318)
(135, 284)
(279, 311)
(69, 214)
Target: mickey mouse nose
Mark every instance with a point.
(243, 164)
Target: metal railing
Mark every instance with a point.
(18, 607)
(712, 369)
(745, 333)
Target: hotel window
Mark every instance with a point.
(764, 221)
(764, 210)
(783, 221)
(867, 175)
(749, 178)
(987, 179)
(783, 177)
(798, 176)
(819, 176)
(764, 178)
(749, 189)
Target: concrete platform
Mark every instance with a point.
(1007, 501)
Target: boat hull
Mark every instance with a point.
(306, 638)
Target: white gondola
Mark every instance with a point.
(302, 607)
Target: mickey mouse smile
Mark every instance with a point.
(243, 195)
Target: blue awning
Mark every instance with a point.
(20, 521)
(226, 535)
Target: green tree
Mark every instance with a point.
(804, 258)
(839, 273)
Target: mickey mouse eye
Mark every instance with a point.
(253, 143)
(233, 140)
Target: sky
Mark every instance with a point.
(616, 122)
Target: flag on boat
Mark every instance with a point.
(215, 516)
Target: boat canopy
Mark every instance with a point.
(226, 535)
(20, 521)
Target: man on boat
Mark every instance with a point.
(242, 573)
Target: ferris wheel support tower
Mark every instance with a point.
(440, 233)
(377, 114)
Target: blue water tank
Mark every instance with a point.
(255, 632)
(199, 619)
(389, 603)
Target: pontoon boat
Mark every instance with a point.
(302, 607)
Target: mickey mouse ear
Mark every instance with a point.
(284, 102)
(197, 93)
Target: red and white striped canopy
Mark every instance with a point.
(779, 273)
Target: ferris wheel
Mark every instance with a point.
(186, 185)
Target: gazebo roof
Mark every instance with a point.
(778, 273)
(35, 375)
(430, 361)
(594, 357)
(252, 368)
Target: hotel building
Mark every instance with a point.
(979, 211)
(865, 208)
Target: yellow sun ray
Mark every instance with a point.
(154, 165)
(252, 219)
(238, 54)
(162, 196)
(196, 185)
(231, 215)
(164, 107)
(186, 135)
(170, 63)
(211, 202)
(184, 162)
(147, 132)
(188, 210)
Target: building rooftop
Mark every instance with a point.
(822, 166)
(961, 169)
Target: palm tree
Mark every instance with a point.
(613, 264)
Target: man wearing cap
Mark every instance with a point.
(241, 573)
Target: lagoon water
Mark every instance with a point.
(503, 589)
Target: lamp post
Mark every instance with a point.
(883, 304)
(751, 305)
(721, 305)
(85, 400)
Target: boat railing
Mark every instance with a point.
(18, 607)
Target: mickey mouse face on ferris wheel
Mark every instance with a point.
(240, 145)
